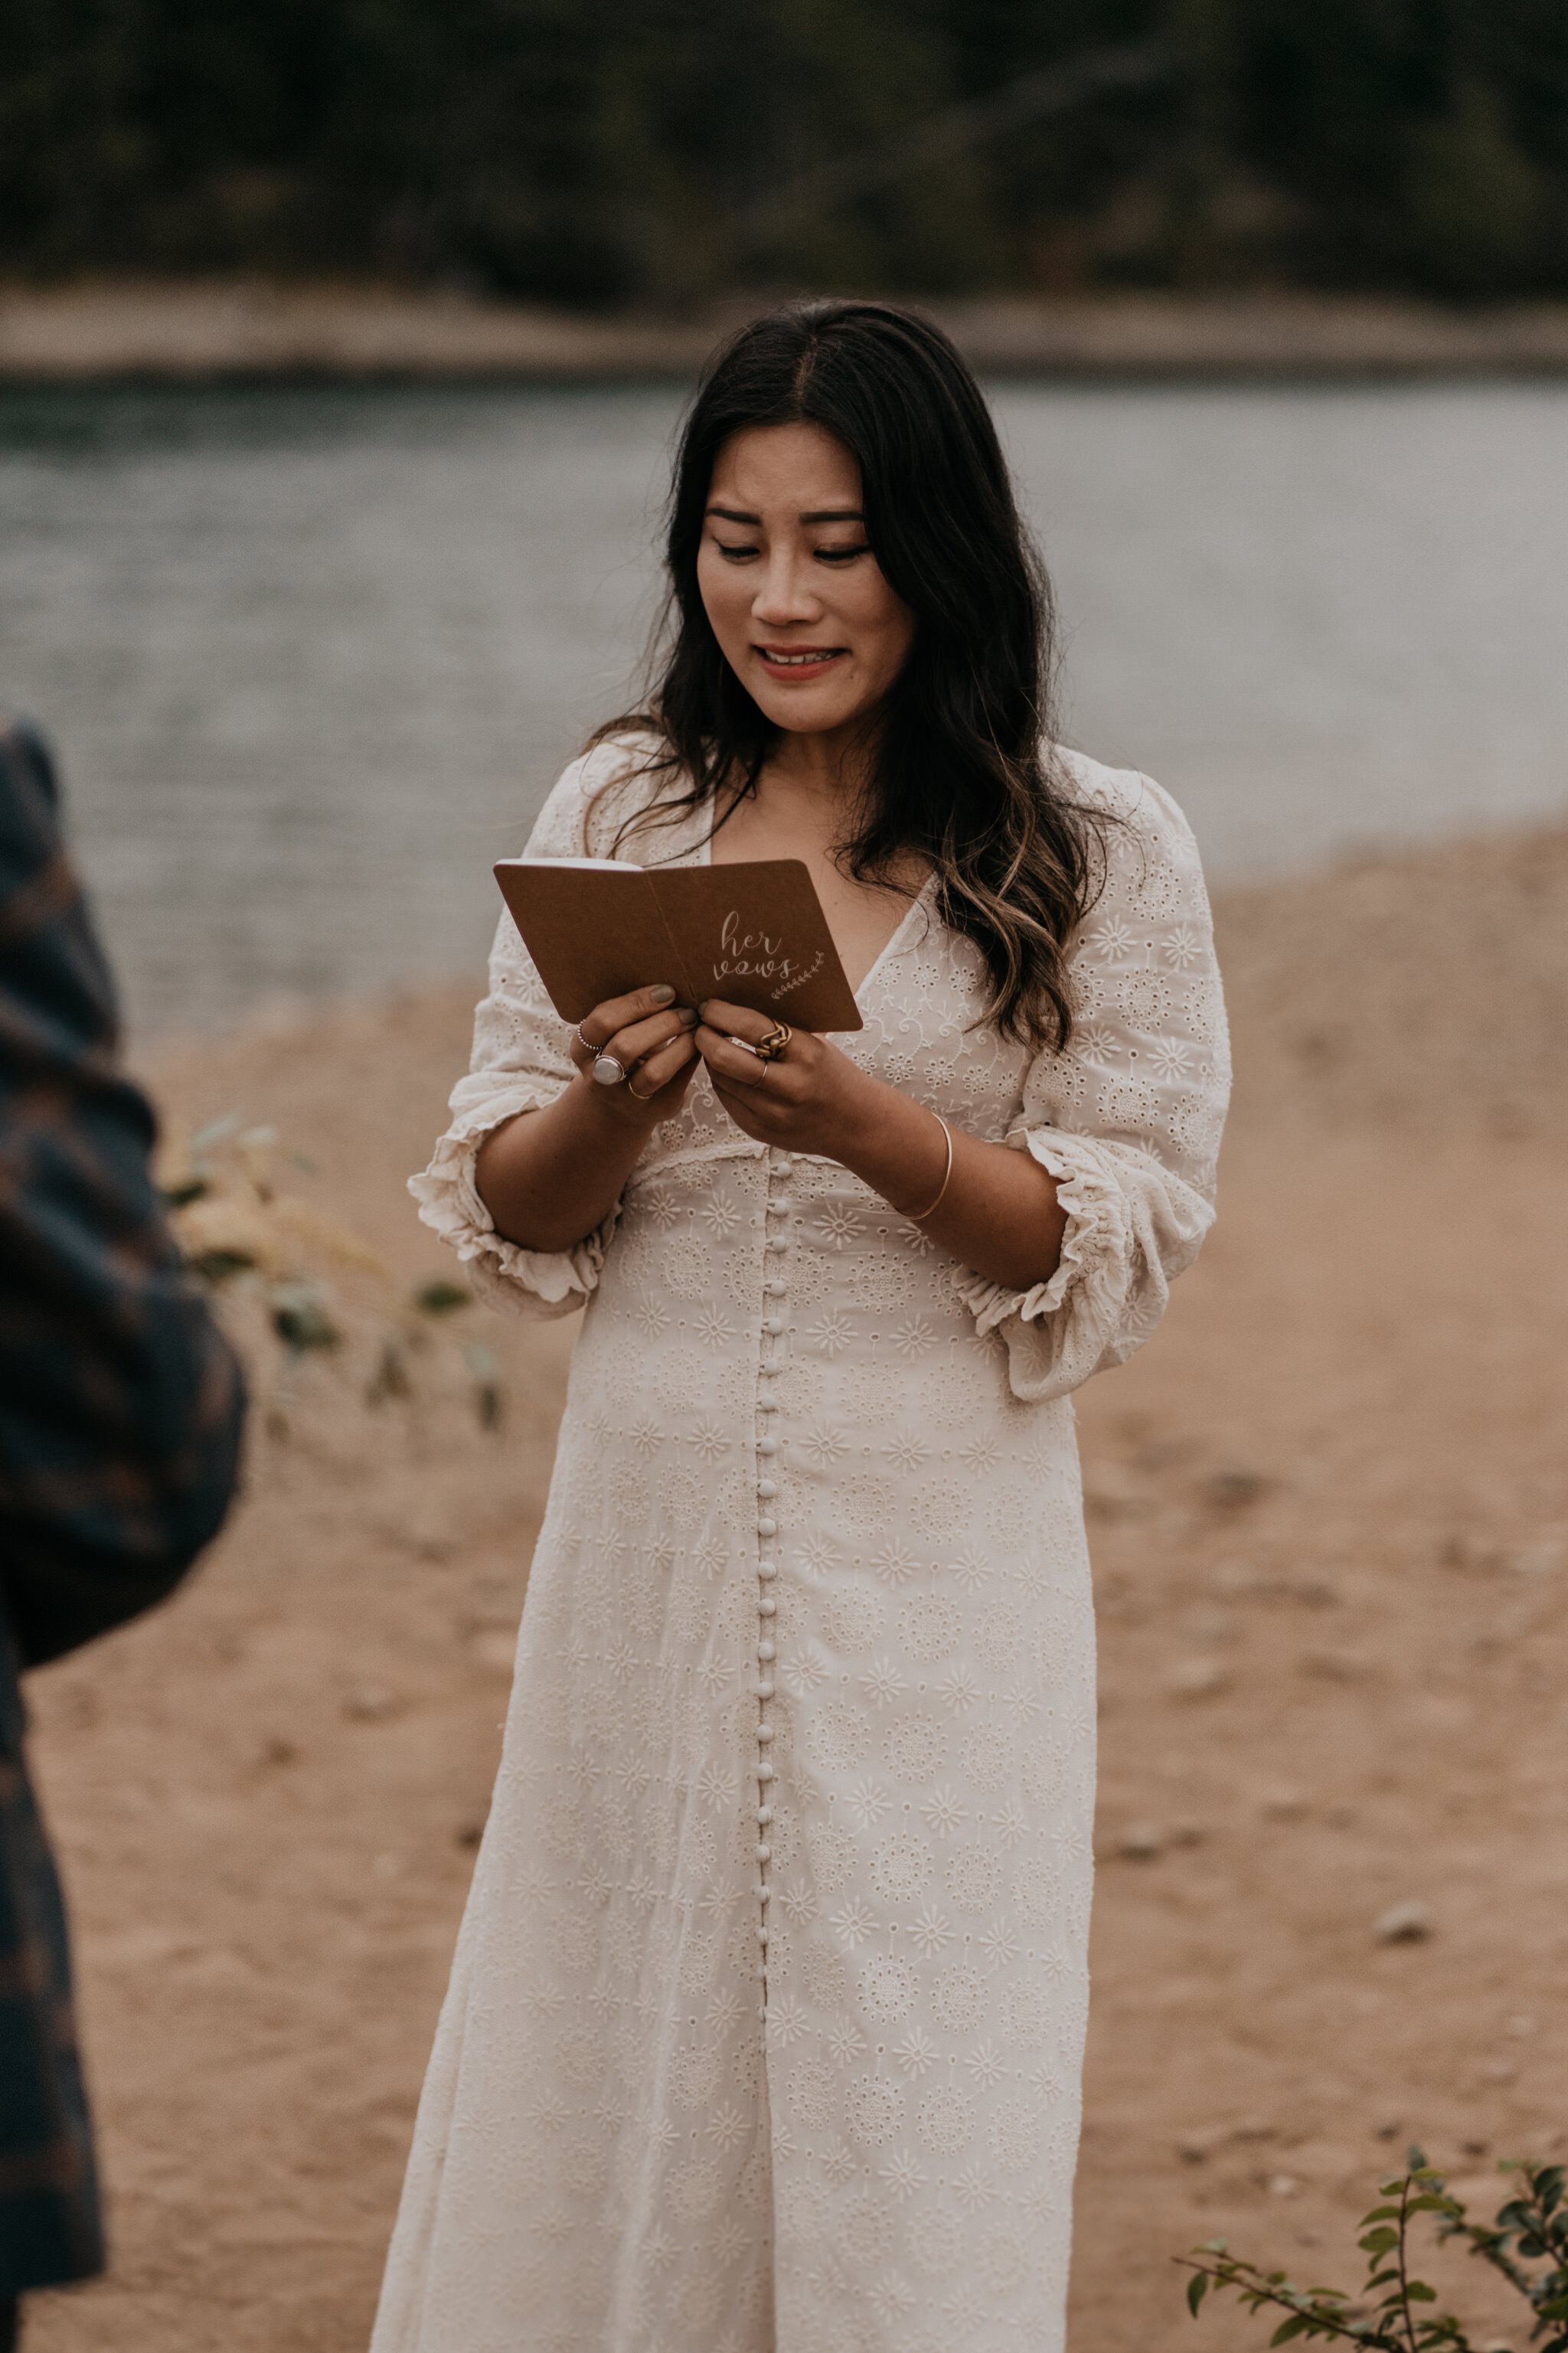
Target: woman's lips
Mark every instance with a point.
(798, 663)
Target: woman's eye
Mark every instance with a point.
(724, 548)
(842, 554)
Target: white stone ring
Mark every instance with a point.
(603, 1068)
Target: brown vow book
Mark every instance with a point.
(754, 934)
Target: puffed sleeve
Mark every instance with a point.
(1129, 1119)
(520, 1063)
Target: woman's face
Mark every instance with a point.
(797, 598)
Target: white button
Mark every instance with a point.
(778, 1241)
(772, 1326)
(784, 1160)
(763, 1891)
(767, 1605)
(782, 1204)
(766, 1568)
(765, 1650)
(764, 1815)
(764, 1852)
(764, 1733)
(772, 1368)
(761, 1691)
(766, 1489)
(767, 1527)
(762, 1932)
(764, 1770)
(767, 1446)
(774, 1288)
(767, 1405)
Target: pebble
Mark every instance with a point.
(1404, 1924)
(1198, 1678)
(372, 1704)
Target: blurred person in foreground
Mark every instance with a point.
(121, 1409)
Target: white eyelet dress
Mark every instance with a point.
(767, 2021)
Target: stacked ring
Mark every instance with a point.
(770, 1048)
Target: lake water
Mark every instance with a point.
(313, 657)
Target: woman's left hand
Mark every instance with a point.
(810, 1098)
(993, 1209)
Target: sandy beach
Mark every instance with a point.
(249, 329)
(1329, 1508)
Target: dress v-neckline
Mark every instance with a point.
(891, 946)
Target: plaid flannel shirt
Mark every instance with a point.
(121, 1409)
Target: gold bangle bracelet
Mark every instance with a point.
(919, 1216)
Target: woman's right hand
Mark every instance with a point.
(651, 1037)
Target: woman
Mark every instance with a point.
(766, 2022)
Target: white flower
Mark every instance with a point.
(717, 1784)
(894, 1563)
(832, 1332)
(835, 2161)
(804, 1669)
(881, 1682)
(944, 1810)
(902, 2175)
(891, 2298)
(973, 2189)
(916, 2053)
(727, 2127)
(999, 1945)
(845, 2043)
(1183, 946)
(1170, 1059)
(720, 1217)
(959, 1689)
(985, 2065)
(929, 1931)
(867, 1803)
(786, 2021)
(823, 1446)
(905, 1452)
(855, 1922)
(971, 1568)
(710, 1440)
(836, 1223)
(913, 1337)
(714, 1329)
(647, 1435)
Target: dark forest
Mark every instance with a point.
(655, 152)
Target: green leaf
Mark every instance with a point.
(214, 1131)
(1289, 2328)
(215, 1266)
(300, 1321)
(1420, 2293)
(442, 1298)
(1197, 2288)
(1379, 2241)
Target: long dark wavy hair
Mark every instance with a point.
(963, 773)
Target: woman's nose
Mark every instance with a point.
(786, 592)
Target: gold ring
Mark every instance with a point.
(635, 1097)
(771, 1047)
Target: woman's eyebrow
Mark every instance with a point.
(818, 514)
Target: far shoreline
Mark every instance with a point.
(249, 331)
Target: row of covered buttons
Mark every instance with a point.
(774, 1288)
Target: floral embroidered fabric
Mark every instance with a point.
(765, 2026)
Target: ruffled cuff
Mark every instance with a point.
(503, 1275)
(1059, 1332)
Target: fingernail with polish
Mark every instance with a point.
(661, 995)
(688, 1017)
